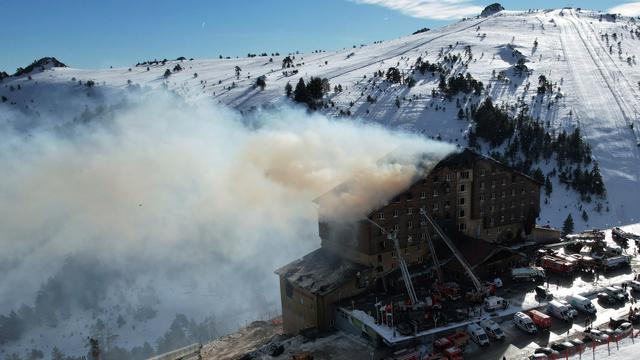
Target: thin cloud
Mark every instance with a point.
(627, 9)
(429, 9)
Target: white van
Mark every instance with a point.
(561, 310)
(495, 302)
(524, 322)
(492, 329)
(581, 303)
(477, 334)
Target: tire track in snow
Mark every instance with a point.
(395, 53)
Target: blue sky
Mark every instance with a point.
(96, 34)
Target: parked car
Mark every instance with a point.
(605, 298)
(623, 330)
(543, 293)
(615, 323)
(492, 329)
(596, 335)
(634, 285)
(579, 344)
(634, 318)
(615, 293)
(549, 352)
(564, 348)
(621, 291)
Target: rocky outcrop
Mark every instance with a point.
(491, 9)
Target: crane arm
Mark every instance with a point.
(454, 250)
(406, 276)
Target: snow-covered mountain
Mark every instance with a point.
(589, 58)
(585, 63)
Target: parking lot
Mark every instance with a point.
(520, 345)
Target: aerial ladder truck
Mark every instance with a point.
(480, 290)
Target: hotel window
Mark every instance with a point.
(503, 195)
(381, 216)
(462, 188)
(423, 195)
(493, 183)
(461, 214)
(395, 213)
(501, 218)
(396, 227)
(502, 206)
(448, 177)
(410, 239)
(462, 227)
(513, 192)
(464, 175)
(409, 196)
(482, 172)
(435, 192)
(481, 185)
(522, 191)
(462, 201)
(493, 196)
(423, 236)
(504, 182)
(393, 253)
(409, 211)
(435, 206)
(493, 208)
(481, 198)
(491, 222)
(410, 224)
(481, 211)
(447, 204)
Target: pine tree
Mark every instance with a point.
(585, 216)
(261, 82)
(460, 114)
(288, 89)
(567, 226)
(167, 73)
(300, 94)
(56, 354)
(548, 187)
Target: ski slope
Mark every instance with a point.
(600, 91)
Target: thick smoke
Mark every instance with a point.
(192, 198)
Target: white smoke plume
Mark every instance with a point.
(193, 198)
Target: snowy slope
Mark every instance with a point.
(600, 90)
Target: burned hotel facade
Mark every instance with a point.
(469, 195)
